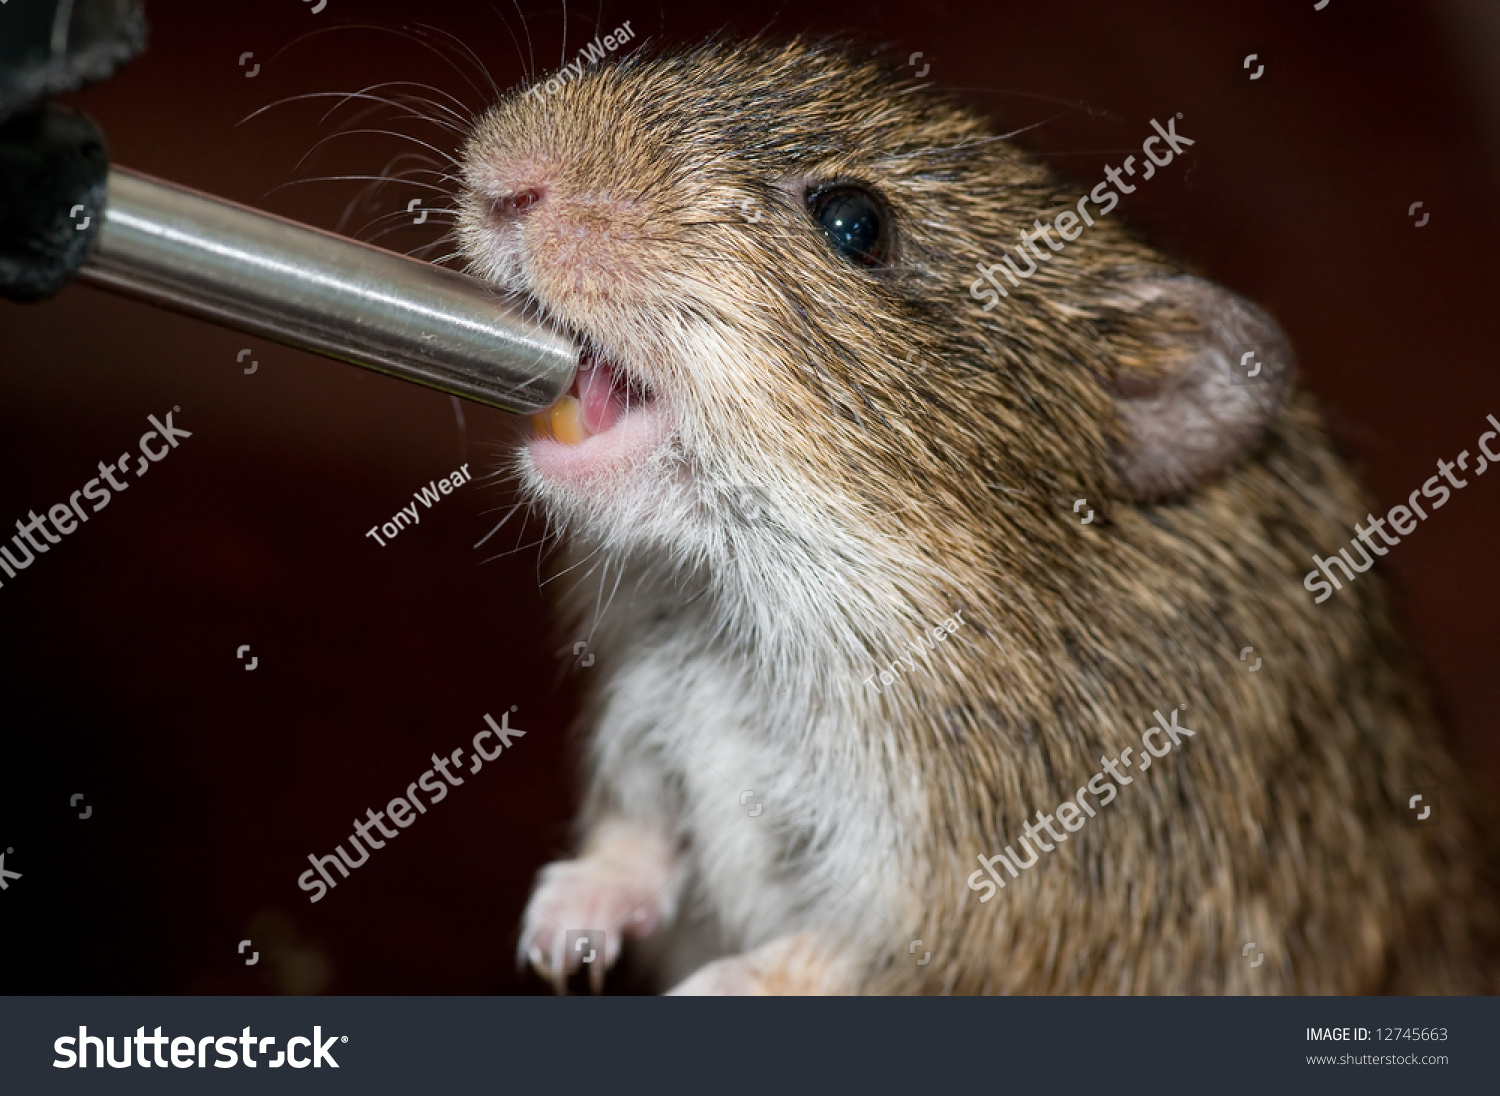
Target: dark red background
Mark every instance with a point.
(210, 784)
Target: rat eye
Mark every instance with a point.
(854, 222)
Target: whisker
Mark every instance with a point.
(370, 27)
(599, 619)
(391, 229)
(547, 549)
(404, 102)
(508, 515)
(531, 70)
(384, 132)
(403, 214)
(347, 96)
(403, 32)
(370, 190)
(440, 261)
(459, 119)
(514, 551)
(388, 231)
(466, 51)
(575, 566)
(520, 57)
(1028, 129)
(349, 178)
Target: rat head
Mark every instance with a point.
(767, 253)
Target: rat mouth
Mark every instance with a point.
(607, 425)
(604, 393)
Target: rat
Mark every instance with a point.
(822, 494)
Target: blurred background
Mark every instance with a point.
(210, 784)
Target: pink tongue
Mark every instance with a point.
(602, 403)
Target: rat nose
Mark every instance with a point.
(517, 203)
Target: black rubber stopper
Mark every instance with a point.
(52, 174)
(48, 47)
(53, 163)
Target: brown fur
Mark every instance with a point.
(1280, 822)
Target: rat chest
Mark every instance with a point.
(773, 825)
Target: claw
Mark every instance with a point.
(537, 959)
(613, 942)
(622, 895)
(559, 966)
(596, 975)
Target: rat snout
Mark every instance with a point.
(559, 228)
(582, 248)
(575, 236)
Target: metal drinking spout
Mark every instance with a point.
(316, 291)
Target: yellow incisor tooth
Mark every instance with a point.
(563, 421)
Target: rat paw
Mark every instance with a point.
(588, 894)
(730, 977)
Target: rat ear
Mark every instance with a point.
(1200, 374)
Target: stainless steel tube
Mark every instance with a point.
(320, 292)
